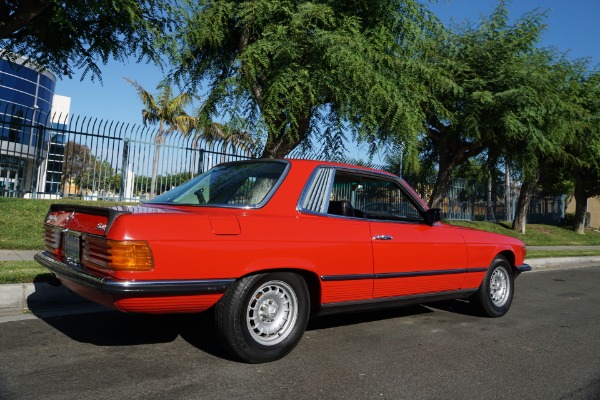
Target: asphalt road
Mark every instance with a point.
(546, 347)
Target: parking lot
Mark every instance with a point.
(546, 347)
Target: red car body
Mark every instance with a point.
(173, 256)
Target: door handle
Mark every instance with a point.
(383, 237)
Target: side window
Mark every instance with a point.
(368, 197)
(350, 194)
(316, 197)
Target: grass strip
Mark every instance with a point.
(22, 220)
(23, 272)
(537, 234)
(561, 253)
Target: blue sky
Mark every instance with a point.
(572, 26)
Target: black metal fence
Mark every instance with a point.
(471, 201)
(64, 155)
(58, 156)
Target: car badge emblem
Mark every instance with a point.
(51, 218)
(101, 227)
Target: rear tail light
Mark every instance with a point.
(116, 255)
(103, 254)
(52, 237)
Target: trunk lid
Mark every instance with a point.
(84, 219)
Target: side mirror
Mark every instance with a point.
(432, 216)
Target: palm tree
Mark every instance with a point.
(169, 113)
(213, 131)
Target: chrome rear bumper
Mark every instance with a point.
(130, 288)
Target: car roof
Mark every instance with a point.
(316, 163)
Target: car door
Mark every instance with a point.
(339, 242)
(410, 257)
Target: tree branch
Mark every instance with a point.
(21, 16)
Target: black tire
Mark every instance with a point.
(261, 318)
(494, 297)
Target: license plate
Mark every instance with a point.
(72, 247)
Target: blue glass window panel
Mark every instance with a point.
(17, 97)
(47, 83)
(45, 94)
(21, 71)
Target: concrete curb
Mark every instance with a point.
(45, 300)
(26, 295)
(40, 299)
(561, 262)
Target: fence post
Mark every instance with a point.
(124, 170)
(39, 157)
(201, 162)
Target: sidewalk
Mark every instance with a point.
(42, 300)
(39, 299)
(17, 255)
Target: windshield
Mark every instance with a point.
(241, 184)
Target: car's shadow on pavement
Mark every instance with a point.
(336, 320)
(455, 306)
(462, 307)
(86, 322)
(114, 329)
(104, 327)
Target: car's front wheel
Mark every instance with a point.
(261, 318)
(494, 297)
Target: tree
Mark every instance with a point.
(481, 86)
(77, 158)
(168, 111)
(85, 170)
(587, 184)
(296, 69)
(583, 145)
(563, 135)
(67, 35)
(211, 132)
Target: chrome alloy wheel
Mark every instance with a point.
(272, 313)
(499, 287)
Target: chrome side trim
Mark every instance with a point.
(413, 274)
(131, 288)
(410, 274)
(349, 277)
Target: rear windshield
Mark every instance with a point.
(241, 184)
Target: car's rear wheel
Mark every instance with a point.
(261, 318)
(494, 297)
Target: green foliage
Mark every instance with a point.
(73, 34)
(165, 109)
(583, 142)
(168, 111)
(487, 94)
(86, 171)
(293, 68)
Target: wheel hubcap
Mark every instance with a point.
(499, 287)
(272, 313)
